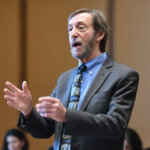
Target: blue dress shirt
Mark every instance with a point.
(88, 76)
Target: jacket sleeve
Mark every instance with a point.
(36, 125)
(112, 124)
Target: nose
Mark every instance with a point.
(73, 33)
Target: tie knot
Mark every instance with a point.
(81, 68)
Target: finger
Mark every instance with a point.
(49, 99)
(12, 87)
(44, 115)
(8, 92)
(9, 98)
(25, 87)
(11, 103)
(44, 105)
(47, 115)
(45, 110)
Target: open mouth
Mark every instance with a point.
(76, 44)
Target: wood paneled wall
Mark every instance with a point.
(9, 59)
(38, 51)
(132, 34)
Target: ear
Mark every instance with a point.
(100, 36)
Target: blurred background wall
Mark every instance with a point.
(34, 47)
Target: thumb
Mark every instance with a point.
(25, 87)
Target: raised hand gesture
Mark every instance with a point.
(21, 100)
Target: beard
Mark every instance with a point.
(86, 50)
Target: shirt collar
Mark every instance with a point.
(91, 65)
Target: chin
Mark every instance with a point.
(75, 54)
(78, 54)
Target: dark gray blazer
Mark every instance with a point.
(103, 116)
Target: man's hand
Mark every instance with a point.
(51, 108)
(19, 99)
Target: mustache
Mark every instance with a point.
(75, 40)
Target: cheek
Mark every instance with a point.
(86, 39)
(127, 146)
(12, 146)
(15, 146)
(19, 145)
(70, 39)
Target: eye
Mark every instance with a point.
(82, 28)
(70, 29)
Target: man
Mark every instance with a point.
(91, 106)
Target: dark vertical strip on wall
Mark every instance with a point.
(111, 19)
(23, 40)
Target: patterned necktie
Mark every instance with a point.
(73, 104)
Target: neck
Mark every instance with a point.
(91, 56)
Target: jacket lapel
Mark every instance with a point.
(65, 101)
(67, 92)
(98, 81)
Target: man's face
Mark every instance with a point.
(81, 35)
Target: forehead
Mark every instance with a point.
(81, 18)
(11, 138)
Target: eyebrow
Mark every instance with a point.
(80, 22)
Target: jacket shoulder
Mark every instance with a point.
(66, 74)
(118, 68)
(122, 69)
